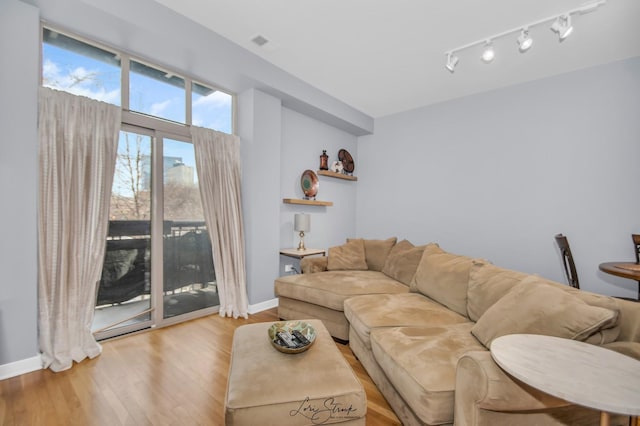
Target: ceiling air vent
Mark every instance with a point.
(260, 40)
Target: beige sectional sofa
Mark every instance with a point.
(421, 320)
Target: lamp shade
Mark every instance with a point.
(302, 222)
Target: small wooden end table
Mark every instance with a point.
(578, 372)
(299, 254)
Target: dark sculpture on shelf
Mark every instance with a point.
(324, 160)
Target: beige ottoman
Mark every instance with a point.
(268, 387)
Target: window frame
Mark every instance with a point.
(138, 119)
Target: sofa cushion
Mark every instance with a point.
(365, 313)
(487, 284)
(331, 288)
(347, 257)
(604, 335)
(443, 277)
(402, 261)
(538, 308)
(376, 252)
(421, 362)
(311, 265)
(631, 349)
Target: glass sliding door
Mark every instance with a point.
(158, 267)
(123, 301)
(189, 282)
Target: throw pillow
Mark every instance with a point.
(347, 257)
(311, 265)
(539, 308)
(402, 261)
(376, 252)
(443, 277)
(487, 284)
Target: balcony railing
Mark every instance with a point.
(126, 273)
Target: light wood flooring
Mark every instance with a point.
(170, 376)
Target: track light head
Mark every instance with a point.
(452, 61)
(524, 40)
(562, 26)
(489, 54)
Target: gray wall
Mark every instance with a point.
(497, 175)
(278, 145)
(19, 44)
(260, 132)
(303, 140)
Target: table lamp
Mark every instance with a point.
(302, 224)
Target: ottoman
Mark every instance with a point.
(268, 387)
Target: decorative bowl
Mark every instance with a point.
(303, 327)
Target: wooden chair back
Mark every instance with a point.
(567, 261)
(636, 246)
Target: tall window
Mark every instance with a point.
(158, 263)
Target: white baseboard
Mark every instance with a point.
(263, 306)
(20, 367)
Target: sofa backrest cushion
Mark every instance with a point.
(443, 277)
(311, 265)
(376, 251)
(402, 262)
(631, 349)
(629, 321)
(534, 307)
(593, 299)
(347, 257)
(487, 284)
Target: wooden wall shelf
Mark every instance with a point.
(307, 202)
(336, 175)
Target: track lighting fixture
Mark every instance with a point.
(452, 61)
(561, 25)
(489, 54)
(524, 40)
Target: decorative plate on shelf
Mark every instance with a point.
(309, 183)
(295, 345)
(347, 160)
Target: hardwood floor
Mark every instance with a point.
(171, 376)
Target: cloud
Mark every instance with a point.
(78, 81)
(214, 100)
(159, 107)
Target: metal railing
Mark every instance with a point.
(126, 272)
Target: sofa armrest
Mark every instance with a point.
(482, 385)
(631, 349)
(310, 265)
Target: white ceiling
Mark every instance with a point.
(383, 57)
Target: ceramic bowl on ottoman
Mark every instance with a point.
(298, 336)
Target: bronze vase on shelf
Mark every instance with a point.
(324, 160)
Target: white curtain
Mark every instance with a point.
(218, 167)
(78, 148)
